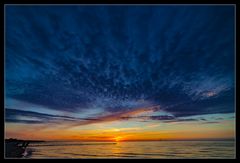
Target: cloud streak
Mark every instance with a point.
(138, 114)
(120, 58)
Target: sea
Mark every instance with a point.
(133, 150)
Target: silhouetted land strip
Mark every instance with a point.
(15, 148)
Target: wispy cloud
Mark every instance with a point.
(120, 116)
(75, 58)
(137, 114)
(30, 117)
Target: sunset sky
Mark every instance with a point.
(117, 73)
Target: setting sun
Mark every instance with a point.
(118, 138)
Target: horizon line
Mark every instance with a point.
(136, 140)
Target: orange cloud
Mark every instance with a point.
(117, 116)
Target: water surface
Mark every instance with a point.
(148, 149)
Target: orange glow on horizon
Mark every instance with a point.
(118, 138)
(143, 136)
(120, 131)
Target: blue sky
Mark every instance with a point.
(98, 61)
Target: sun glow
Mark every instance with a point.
(118, 138)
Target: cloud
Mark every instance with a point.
(120, 58)
(168, 119)
(119, 116)
(164, 117)
(137, 114)
(24, 121)
(30, 117)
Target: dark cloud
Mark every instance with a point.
(122, 57)
(21, 116)
(30, 117)
(165, 117)
(24, 121)
(213, 122)
(168, 119)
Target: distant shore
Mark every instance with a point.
(21, 140)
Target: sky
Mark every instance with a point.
(119, 72)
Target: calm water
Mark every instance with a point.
(156, 149)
